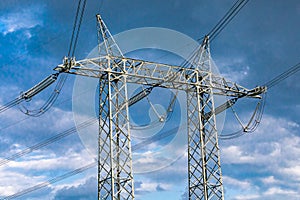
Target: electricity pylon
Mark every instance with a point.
(114, 71)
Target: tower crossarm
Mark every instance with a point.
(158, 74)
(222, 86)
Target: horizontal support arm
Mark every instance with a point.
(162, 75)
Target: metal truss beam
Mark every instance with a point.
(151, 73)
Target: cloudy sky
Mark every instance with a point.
(260, 43)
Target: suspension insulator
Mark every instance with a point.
(39, 87)
(139, 96)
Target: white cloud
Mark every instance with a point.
(292, 171)
(152, 186)
(152, 161)
(19, 175)
(293, 124)
(247, 197)
(12, 182)
(55, 118)
(233, 69)
(277, 190)
(235, 154)
(46, 161)
(236, 188)
(24, 18)
(237, 183)
(270, 180)
(274, 149)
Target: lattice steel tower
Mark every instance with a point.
(114, 71)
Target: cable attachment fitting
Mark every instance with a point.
(257, 91)
(205, 42)
(68, 63)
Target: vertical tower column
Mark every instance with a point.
(115, 180)
(204, 169)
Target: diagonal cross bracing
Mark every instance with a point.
(115, 162)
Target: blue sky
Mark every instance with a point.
(260, 43)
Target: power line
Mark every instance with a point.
(48, 141)
(51, 181)
(223, 19)
(84, 168)
(63, 134)
(43, 43)
(216, 32)
(219, 27)
(294, 69)
(80, 8)
(233, 11)
(33, 91)
(269, 84)
(62, 79)
(56, 104)
(10, 104)
(135, 147)
(74, 28)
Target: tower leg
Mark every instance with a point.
(115, 180)
(204, 169)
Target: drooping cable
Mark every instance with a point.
(255, 120)
(31, 92)
(252, 124)
(50, 101)
(57, 103)
(62, 79)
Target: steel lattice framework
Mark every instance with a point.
(114, 71)
(204, 175)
